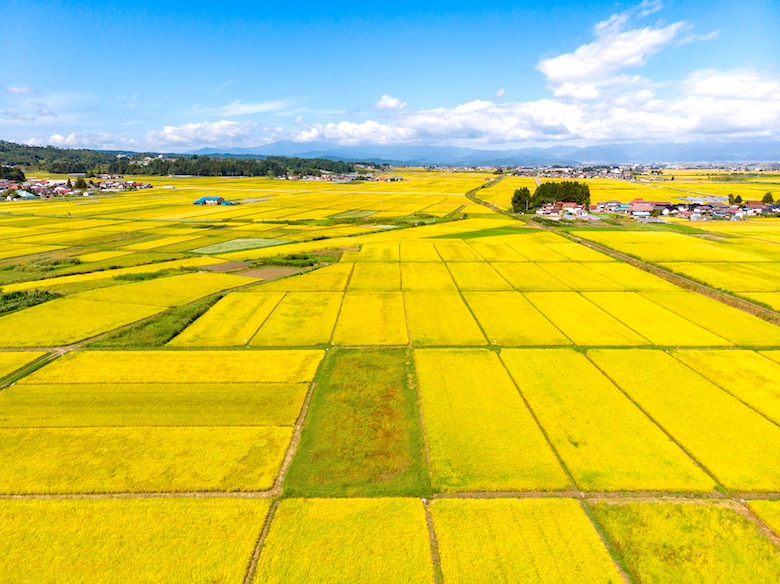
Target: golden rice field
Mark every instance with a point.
(456, 399)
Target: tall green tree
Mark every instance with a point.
(768, 199)
(521, 199)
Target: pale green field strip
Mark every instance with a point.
(668, 543)
(413, 251)
(181, 367)
(102, 255)
(382, 541)
(519, 541)
(726, 276)
(726, 321)
(151, 404)
(529, 277)
(66, 320)
(300, 319)
(579, 253)
(117, 541)
(481, 436)
(371, 318)
(497, 252)
(379, 252)
(457, 252)
(375, 276)
(736, 444)
(537, 252)
(140, 459)
(107, 274)
(171, 291)
(771, 299)
(441, 318)
(655, 323)
(631, 278)
(477, 276)
(582, 321)
(160, 242)
(11, 361)
(746, 375)
(509, 320)
(426, 277)
(20, 250)
(604, 440)
(579, 277)
(239, 245)
(232, 321)
(328, 279)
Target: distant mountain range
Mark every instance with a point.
(637, 152)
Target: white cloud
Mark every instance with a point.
(390, 103)
(224, 85)
(239, 108)
(19, 89)
(222, 133)
(59, 140)
(500, 93)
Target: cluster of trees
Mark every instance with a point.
(11, 173)
(91, 162)
(551, 192)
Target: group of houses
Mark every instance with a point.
(35, 188)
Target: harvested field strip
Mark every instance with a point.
(578, 252)
(328, 279)
(372, 318)
(631, 278)
(441, 318)
(414, 251)
(457, 252)
(181, 367)
(476, 276)
(480, 434)
(300, 319)
(582, 321)
(491, 541)
(739, 446)
(497, 252)
(375, 276)
(172, 291)
(509, 320)
(579, 277)
(145, 459)
(426, 277)
(528, 277)
(371, 541)
(129, 540)
(746, 375)
(11, 361)
(537, 252)
(232, 321)
(655, 323)
(151, 404)
(362, 434)
(688, 542)
(728, 322)
(604, 440)
(66, 320)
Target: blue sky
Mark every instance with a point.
(177, 76)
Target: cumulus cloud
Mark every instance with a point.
(222, 133)
(59, 140)
(19, 89)
(389, 102)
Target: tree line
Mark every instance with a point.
(93, 162)
(551, 192)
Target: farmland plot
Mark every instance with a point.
(300, 319)
(528, 277)
(631, 278)
(128, 540)
(578, 277)
(497, 252)
(476, 276)
(604, 440)
(12, 361)
(537, 252)
(480, 434)
(375, 276)
(579, 253)
(736, 444)
(519, 541)
(441, 318)
(379, 252)
(382, 541)
(414, 251)
(371, 318)
(456, 252)
(426, 277)
(328, 279)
